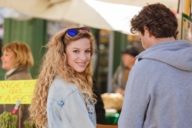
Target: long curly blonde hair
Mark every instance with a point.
(55, 63)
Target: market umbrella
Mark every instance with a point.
(173, 4)
(93, 13)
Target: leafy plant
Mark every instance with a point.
(28, 124)
(7, 120)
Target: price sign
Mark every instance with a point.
(12, 91)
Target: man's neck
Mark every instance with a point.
(162, 40)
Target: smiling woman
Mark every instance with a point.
(63, 94)
(79, 54)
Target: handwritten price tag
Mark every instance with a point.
(13, 90)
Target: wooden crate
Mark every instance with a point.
(106, 126)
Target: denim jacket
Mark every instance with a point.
(66, 107)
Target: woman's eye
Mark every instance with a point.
(76, 51)
(88, 51)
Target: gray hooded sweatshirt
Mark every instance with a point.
(159, 91)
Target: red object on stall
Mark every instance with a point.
(16, 108)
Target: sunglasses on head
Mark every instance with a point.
(73, 32)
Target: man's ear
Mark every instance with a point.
(146, 31)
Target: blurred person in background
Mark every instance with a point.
(121, 74)
(158, 92)
(63, 94)
(17, 59)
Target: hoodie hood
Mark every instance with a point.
(178, 54)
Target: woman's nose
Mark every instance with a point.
(83, 56)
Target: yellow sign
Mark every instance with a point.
(12, 91)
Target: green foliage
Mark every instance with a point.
(28, 124)
(7, 120)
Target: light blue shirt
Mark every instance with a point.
(66, 107)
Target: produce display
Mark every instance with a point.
(7, 120)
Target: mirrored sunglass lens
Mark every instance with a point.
(72, 32)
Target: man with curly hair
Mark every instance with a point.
(158, 92)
